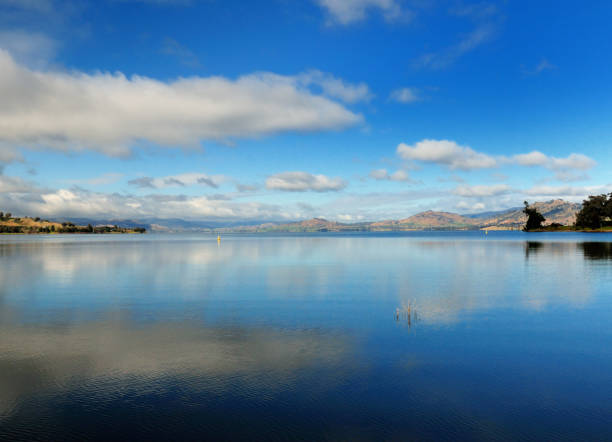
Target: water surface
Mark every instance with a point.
(356, 336)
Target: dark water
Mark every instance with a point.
(411, 337)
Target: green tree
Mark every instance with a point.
(534, 218)
(595, 212)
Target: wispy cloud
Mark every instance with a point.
(543, 65)
(335, 87)
(576, 161)
(182, 180)
(482, 190)
(8, 155)
(101, 180)
(304, 181)
(446, 57)
(567, 191)
(182, 53)
(32, 49)
(346, 12)
(246, 187)
(405, 95)
(384, 175)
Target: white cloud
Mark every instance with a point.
(346, 12)
(182, 180)
(404, 95)
(348, 218)
(573, 161)
(109, 112)
(336, 87)
(383, 174)
(304, 181)
(482, 191)
(454, 156)
(447, 153)
(478, 206)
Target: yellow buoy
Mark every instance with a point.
(218, 237)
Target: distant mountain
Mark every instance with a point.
(427, 220)
(555, 211)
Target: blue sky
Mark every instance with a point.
(279, 110)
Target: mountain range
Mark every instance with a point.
(555, 211)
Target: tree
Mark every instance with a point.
(534, 218)
(595, 212)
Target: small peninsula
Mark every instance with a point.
(28, 225)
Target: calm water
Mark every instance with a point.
(417, 336)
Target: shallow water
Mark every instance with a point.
(358, 336)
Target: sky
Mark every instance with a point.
(278, 110)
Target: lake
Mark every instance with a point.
(401, 336)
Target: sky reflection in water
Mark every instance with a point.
(298, 337)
